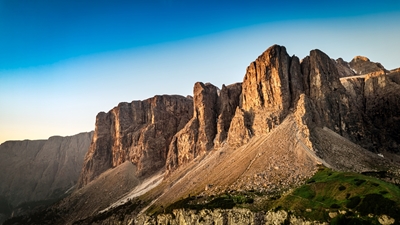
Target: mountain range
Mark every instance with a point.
(225, 155)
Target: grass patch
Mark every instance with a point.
(330, 190)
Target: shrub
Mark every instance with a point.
(358, 182)
(335, 206)
(378, 205)
(353, 202)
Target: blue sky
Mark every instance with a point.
(62, 62)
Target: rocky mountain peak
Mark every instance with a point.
(344, 68)
(362, 65)
(360, 59)
(266, 83)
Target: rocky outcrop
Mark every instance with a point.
(272, 83)
(382, 109)
(140, 132)
(213, 112)
(224, 216)
(198, 134)
(272, 87)
(324, 90)
(362, 65)
(41, 170)
(228, 101)
(344, 68)
(266, 94)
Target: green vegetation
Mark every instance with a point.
(351, 198)
(356, 196)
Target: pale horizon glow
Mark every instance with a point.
(63, 98)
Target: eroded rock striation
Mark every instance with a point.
(213, 112)
(140, 132)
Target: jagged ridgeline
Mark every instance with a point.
(238, 153)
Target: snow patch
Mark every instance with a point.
(139, 190)
(355, 71)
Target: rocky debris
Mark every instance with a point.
(100, 193)
(268, 163)
(362, 65)
(40, 170)
(140, 132)
(224, 216)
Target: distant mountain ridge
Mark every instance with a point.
(40, 171)
(267, 134)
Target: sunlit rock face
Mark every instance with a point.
(362, 65)
(170, 131)
(213, 112)
(140, 132)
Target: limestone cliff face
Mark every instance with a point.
(172, 131)
(362, 108)
(228, 101)
(40, 170)
(324, 89)
(337, 98)
(140, 132)
(213, 112)
(272, 85)
(266, 95)
(155, 133)
(382, 108)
